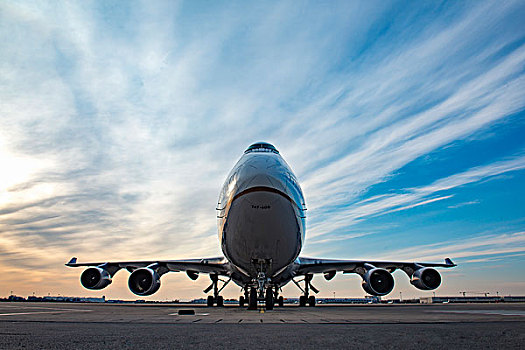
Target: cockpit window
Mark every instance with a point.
(262, 147)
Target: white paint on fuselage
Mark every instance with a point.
(261, 213)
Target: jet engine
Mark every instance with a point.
(378, 282)
(426, 278)
(95, 278)
(328, 275)
(144, 281)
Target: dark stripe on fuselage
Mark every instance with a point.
(265, 189)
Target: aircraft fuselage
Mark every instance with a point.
(261, 214)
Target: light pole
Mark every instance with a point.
(400, 296)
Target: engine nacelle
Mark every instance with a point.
(328, 275)
(95, 278)
(144, 281)
(378, 282)
(426, 278)
(192, 274)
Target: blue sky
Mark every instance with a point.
(404, 123)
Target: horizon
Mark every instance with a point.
(403, 123)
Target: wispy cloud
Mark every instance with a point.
(463, 204)
(487, 246)
(414, 197)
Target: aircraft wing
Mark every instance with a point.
(209, 265)
(312, 265)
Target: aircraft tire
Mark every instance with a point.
(302, 300)
(280, 301)
(241, 301)
(252, 303)
(220, 301)
(209, 301)
(269, 299)
(311, 301)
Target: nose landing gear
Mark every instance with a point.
(268, 298)
(261, 288)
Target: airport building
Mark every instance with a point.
(472, 299)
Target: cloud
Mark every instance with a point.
(414, 197)
(459, 205)
(478, 246)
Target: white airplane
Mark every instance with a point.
(261, 224)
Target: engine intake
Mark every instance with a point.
(426, 278)
(378, 282)
(95, 278)
(144, 281)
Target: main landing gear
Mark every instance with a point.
(306, 298)
(215, 298)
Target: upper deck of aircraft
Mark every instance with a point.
(261, 147)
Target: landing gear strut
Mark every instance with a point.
(306, 298)
(216, 298)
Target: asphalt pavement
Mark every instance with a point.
(411, 326)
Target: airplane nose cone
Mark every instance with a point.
(268, 173)
(252, 176)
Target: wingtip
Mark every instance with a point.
(448, 261)
(72, 261)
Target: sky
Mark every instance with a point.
(404, 123)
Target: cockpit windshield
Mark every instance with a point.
(262, 147)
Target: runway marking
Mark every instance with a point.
(240, 321)
(200, 319)
(57, 311)
(40, 307)
(197, 314)
(485, 312)
(219, 320)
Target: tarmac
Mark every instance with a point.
(151, 326)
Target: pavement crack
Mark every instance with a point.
(197, 320)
